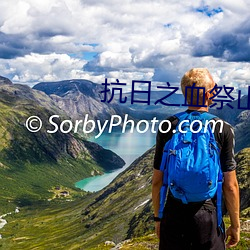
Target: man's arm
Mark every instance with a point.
(157, 178)
(231, 195)
(156, 187)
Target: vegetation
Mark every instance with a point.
(116, 213)
(32, 163)
(57, 225)
(243, 175)
(36, 168)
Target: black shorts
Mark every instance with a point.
(191, 226)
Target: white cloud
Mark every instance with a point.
(139, 40)
(34, 68)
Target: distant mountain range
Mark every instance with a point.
(76, 98)
(239, 119)
(80, 97)
(156, 108)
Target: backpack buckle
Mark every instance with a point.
(172, 152)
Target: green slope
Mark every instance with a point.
(55, 225)
(33, 163)
(113, 214)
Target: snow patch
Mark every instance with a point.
(143, 186)
(142, 204)
(3, 222)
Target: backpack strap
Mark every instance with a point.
(164, 188)
(182, 115)
(209, 116)
(164, 169)
(163, 194)
(219, 198)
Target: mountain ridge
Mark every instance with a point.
(4, 80)
(79, 97)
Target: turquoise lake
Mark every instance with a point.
(129, 146)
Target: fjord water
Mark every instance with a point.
(128, 146)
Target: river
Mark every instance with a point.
(128, 146)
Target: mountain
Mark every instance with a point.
(242, 130)
(124, 208)
(4, 80)
(158, 110)
(243, 175)
(32, 163)
(231, 115)
(239, 119)
(78, 98)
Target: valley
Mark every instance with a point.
(38, 172)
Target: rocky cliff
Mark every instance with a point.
(80, 97)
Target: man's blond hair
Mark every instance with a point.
(202, 78)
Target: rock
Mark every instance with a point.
(106, 158)
(79, 97)
(4, 80)
(109, 243)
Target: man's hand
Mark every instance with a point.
(232, 200)
(233, 236)
(157, 228)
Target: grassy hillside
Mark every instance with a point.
(150, 242)
(32, 163)
(51, 225)
(85, 222)
(121, 211)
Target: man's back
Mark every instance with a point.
(185, 223)
(194, 225)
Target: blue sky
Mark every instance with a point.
(207, 10)
(128, 40)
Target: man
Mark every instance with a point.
(194, 225)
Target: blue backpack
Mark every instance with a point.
(191, 162)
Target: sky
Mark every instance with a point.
(150, 40)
